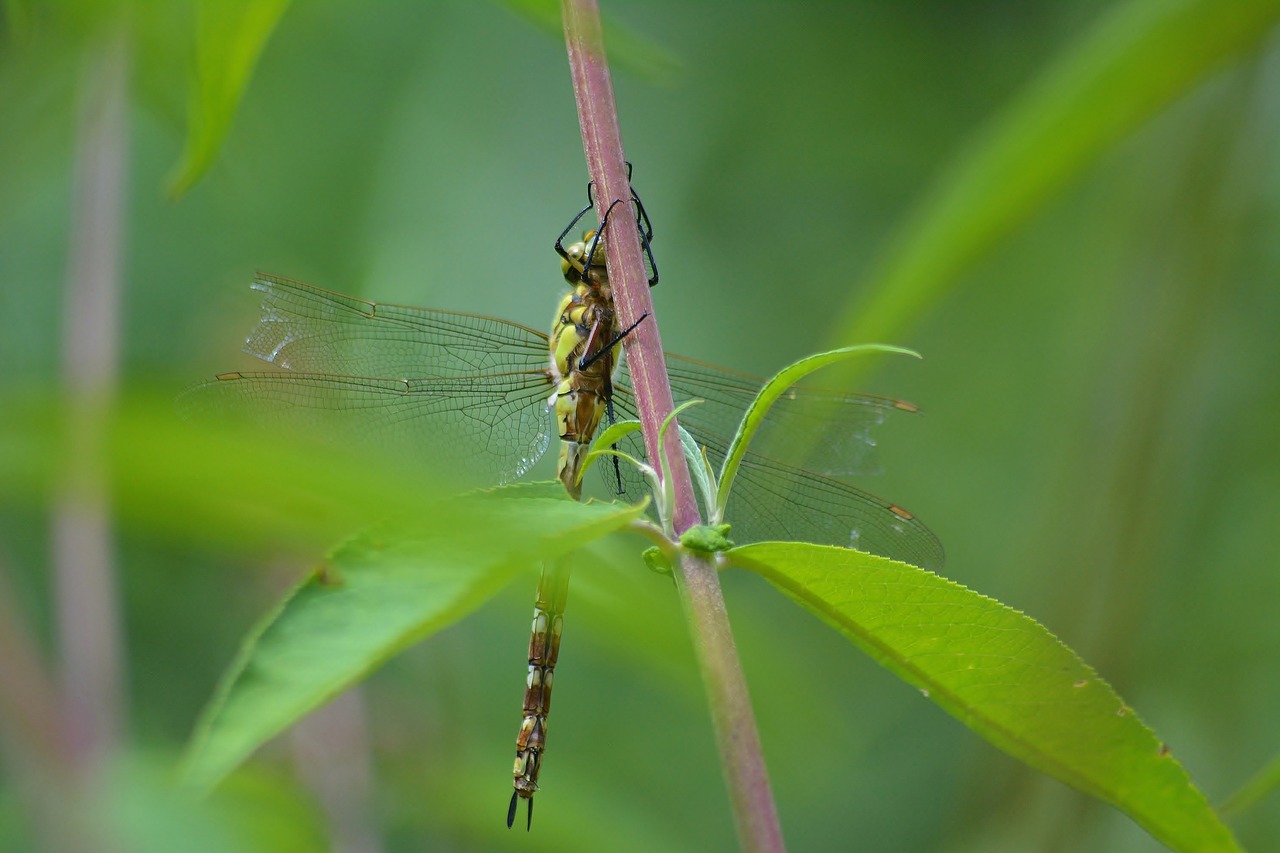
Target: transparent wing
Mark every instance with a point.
(827, 432)
(469, 393)
(311, 330)
(478, 429)
(464, 392)
(775, 500)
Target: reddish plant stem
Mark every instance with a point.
(602, 142)
(332, 753)
(29, 700)
(32, 742)
(737, 737)
(85, 586)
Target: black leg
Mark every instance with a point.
(591, 253)
(643, 226)
(585, 362)
(560, 250)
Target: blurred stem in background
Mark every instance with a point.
(86, 589)
(29, 731)
(331, 752)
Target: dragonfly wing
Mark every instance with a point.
(825, 431)
(311, 330)
(477, 429)
(774, 500)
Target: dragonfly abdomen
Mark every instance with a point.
(578, 414)
(583, 336)
(544, 650)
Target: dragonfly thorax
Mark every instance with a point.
(583, 361)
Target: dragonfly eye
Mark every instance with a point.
(572, 265)
(592, 244)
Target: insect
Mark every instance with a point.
(585, 340)
(477, 396)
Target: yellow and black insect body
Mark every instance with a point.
(584, 353)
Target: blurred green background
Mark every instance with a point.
(1101, 392)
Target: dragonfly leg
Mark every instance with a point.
(586, 361)
(560, 249)
(644, 243)
(617, 463)
(595, 241)
(591, 184)
(644, 230)
(643, 225)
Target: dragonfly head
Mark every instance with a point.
(574, 263)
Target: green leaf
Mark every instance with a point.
(19, 17)
(700, 469)
(374, 596)
(666, 494)
(1139, 58)
(238, 486)
(605, 441)
(765, 398)
(230, 36)
(1000, 673)
(137, 807)
(1262, 783)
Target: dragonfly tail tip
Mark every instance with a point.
(511, 812)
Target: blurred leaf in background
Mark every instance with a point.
(229, 39)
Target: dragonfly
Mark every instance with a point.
(585, 340)
(476, 397)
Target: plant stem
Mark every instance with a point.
(85, 585)
(697, 579)
(331, 751)
(737, 736)
(29, 701)
(602, 142)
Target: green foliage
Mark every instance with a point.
(1101, 421)
(704, 477)
(656, 561)
(230, 36)
(137, 806)
(603, 445)
(1139, 57)
(233, 485)
(996, 670)
(1000, 673)
(373, 596)
(769, 393)
(1259, 786)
